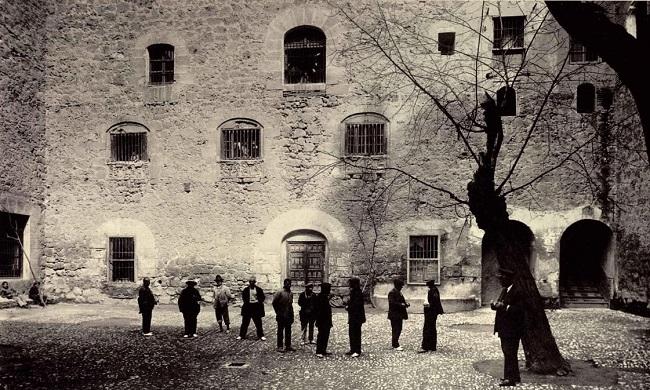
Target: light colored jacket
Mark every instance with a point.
(221, 296)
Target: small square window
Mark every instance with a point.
(508, 34)
(578, 53)
(446, 43)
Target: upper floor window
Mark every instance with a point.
(304, 55)
(585, 98)
(579, 53)
(12, 228)
(241, 139)
(121, 258)
(365, 135)
(508, 33)
(128, 142)
(423, 259)
(161, 63)
(446, 43)
(507, 101)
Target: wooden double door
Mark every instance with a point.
(306, 261)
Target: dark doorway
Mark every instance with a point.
(490, 287)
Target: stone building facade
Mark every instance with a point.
(181, 140)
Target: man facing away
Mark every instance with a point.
(323, 314)
(189, 303)
(222, 296)
(146, 302)
(283, 306)
(397, 312)
(356, 316)
(252, 308)
(307, 301)
(509, 324)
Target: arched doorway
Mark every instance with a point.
(306, 257)
(585, 264)
(490, 286)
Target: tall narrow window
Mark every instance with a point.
(128, 142)
(12, 229)
(423, 259)
(161, 64)
(241, 140)
(507, 101)
(121, 257)
(578, 53)
(585, 98)
(304, 55)
(365, 135)
(446, 43)
(508, 33)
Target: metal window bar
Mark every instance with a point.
(129, 147)
(508, 32)
(423, 259)
(304, 65)
(122, 259)
(579, 53)
(446, 43)
(161, 64)
(365, 139)
(240, 144)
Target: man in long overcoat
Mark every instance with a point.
(252, 308)
(283, 306)
(189, 305)
(356, 316)
(397, 312)
(323, 313)
(146, 303)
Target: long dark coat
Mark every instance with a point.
(252, 309)
(146, 300)
(435, 306)
(396, 305)
(355, 308)
(509, 320)
(188, 301)
(323, 311)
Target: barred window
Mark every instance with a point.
(423, 259)
(508, 33)
(585, 98)
(304, 55)
(579, 53)
(121, 259)
(365, 135)
(161, 63)
(446, 43)
(12, 229)
(128, 142)
(241, 140)
(507, 101)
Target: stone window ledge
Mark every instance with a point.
(135, 164)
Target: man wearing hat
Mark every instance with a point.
(323, 315)
(222, 296)
(252, 308)
(307, 301)
(146, 302)
(188, 304)
(509, 324)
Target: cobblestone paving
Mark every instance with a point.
(99, 347)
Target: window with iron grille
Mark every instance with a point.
(304, 55)
(365, 135)
(241, 140)
(585, 98)
(121, 257)
(161, 64)
(423, 259)
(446, 43)
(507, 101)
(508, 33)
(579, 53)
(12, 229)
(128, 146)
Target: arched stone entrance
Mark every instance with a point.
(490, 286)
(586, 264)
(305, 257)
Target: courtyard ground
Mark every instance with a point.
(68, 346)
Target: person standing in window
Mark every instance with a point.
(222, 296)
(323, 316)
(252, 308)
(397, 312)
(189, 305)
(356, 316)
(432, 308)
(283, 306)
(146, 302)
(307, 301)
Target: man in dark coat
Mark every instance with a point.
(146, 302)
(283, 306)
(307, 301)
(188, 304)
(509, 324)
(252, 308)
(356, 316)
(323, 316)
(397, 312)
(432, 308)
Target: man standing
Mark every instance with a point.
(306, 301)
(323, 314)
(146, 302)
(397, 312)
(509, 324)
(188, 304)
(252, 308)
(222, 296)
(356, 316)
(283, 306)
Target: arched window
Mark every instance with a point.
(304, 55)
(365, 134)
(585, 98)
(128, 142)
(507, 101)
(241, 139)
(161, 63)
